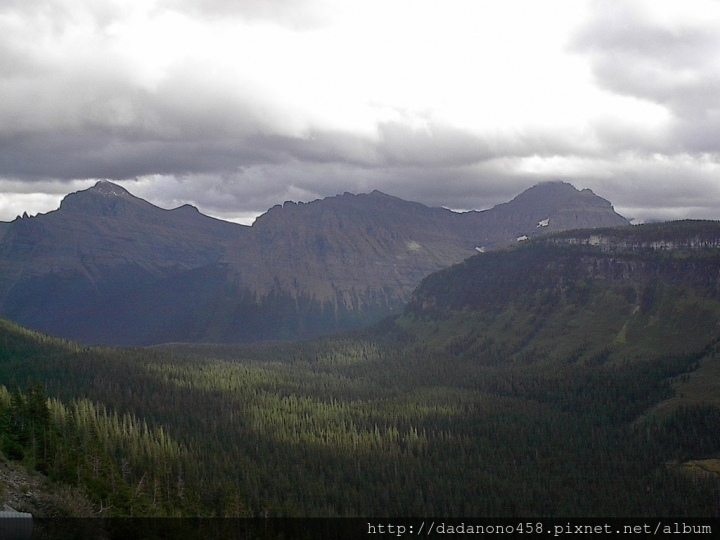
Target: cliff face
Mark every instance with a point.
(637, 258)
(581, 298)
(369, 241)
(351, 248)
(108, 267)
(687, 235)
(35, 494)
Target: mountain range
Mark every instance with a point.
(107, 267)
(574, 374)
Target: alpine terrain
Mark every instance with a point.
(573, 374)
(108, 267)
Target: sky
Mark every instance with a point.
(237, 105)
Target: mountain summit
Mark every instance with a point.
(109, 267)
(544, 208)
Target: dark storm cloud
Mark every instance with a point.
(257, 188)
(74, 124)
(98, 154)
(79, 125)
(676, 67)
(662, 190)
(397, 145)
(90, 115)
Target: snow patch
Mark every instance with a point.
(108, 188)
(412, 245)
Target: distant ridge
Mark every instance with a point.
(542, 209)
(108, 267)
(596, 296)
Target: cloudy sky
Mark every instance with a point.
(237, 105)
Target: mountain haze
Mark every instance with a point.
(109, 267)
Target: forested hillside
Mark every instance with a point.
(547, 380)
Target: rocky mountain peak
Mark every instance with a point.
(543, 208)
(105, 199)
(548, 196)
(104, 187)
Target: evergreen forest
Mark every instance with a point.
(571, 395)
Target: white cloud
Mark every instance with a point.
(234, 106)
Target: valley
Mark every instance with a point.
(559, 377)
